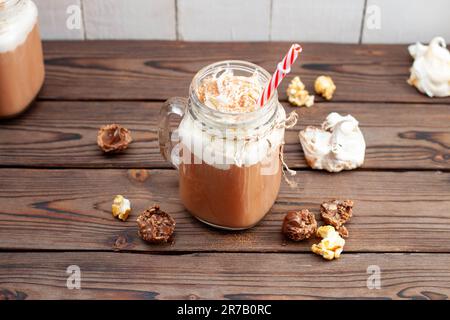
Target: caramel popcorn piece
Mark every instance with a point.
(121, 207)
(113, 138)
(336, 213)
(331, 245)
(325, 87)
(297, 95)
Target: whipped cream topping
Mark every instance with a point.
(233, 147)
(16, 22)
(430, 72)
(338, 145)
(227, 92)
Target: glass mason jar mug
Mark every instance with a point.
(229, 163)
(21, 59)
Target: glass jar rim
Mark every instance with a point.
(231, 64)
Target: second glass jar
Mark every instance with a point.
(21, 59)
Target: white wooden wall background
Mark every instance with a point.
(348, 21)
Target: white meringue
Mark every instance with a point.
(338, 145)
(430, 72)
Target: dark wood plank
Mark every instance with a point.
(71, 210)
(63, 134)
(223, 276)
(102, 70)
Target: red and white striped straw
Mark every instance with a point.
(283, 68)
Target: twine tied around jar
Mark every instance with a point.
(288, 123)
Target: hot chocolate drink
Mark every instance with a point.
(21, 60)
(234, 198)
(230, 175)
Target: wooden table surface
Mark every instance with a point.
(56, 186)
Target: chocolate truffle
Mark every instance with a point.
(299, 225)
(113, 138)
(155, 225)
(336, 213)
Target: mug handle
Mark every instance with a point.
(173, 106)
